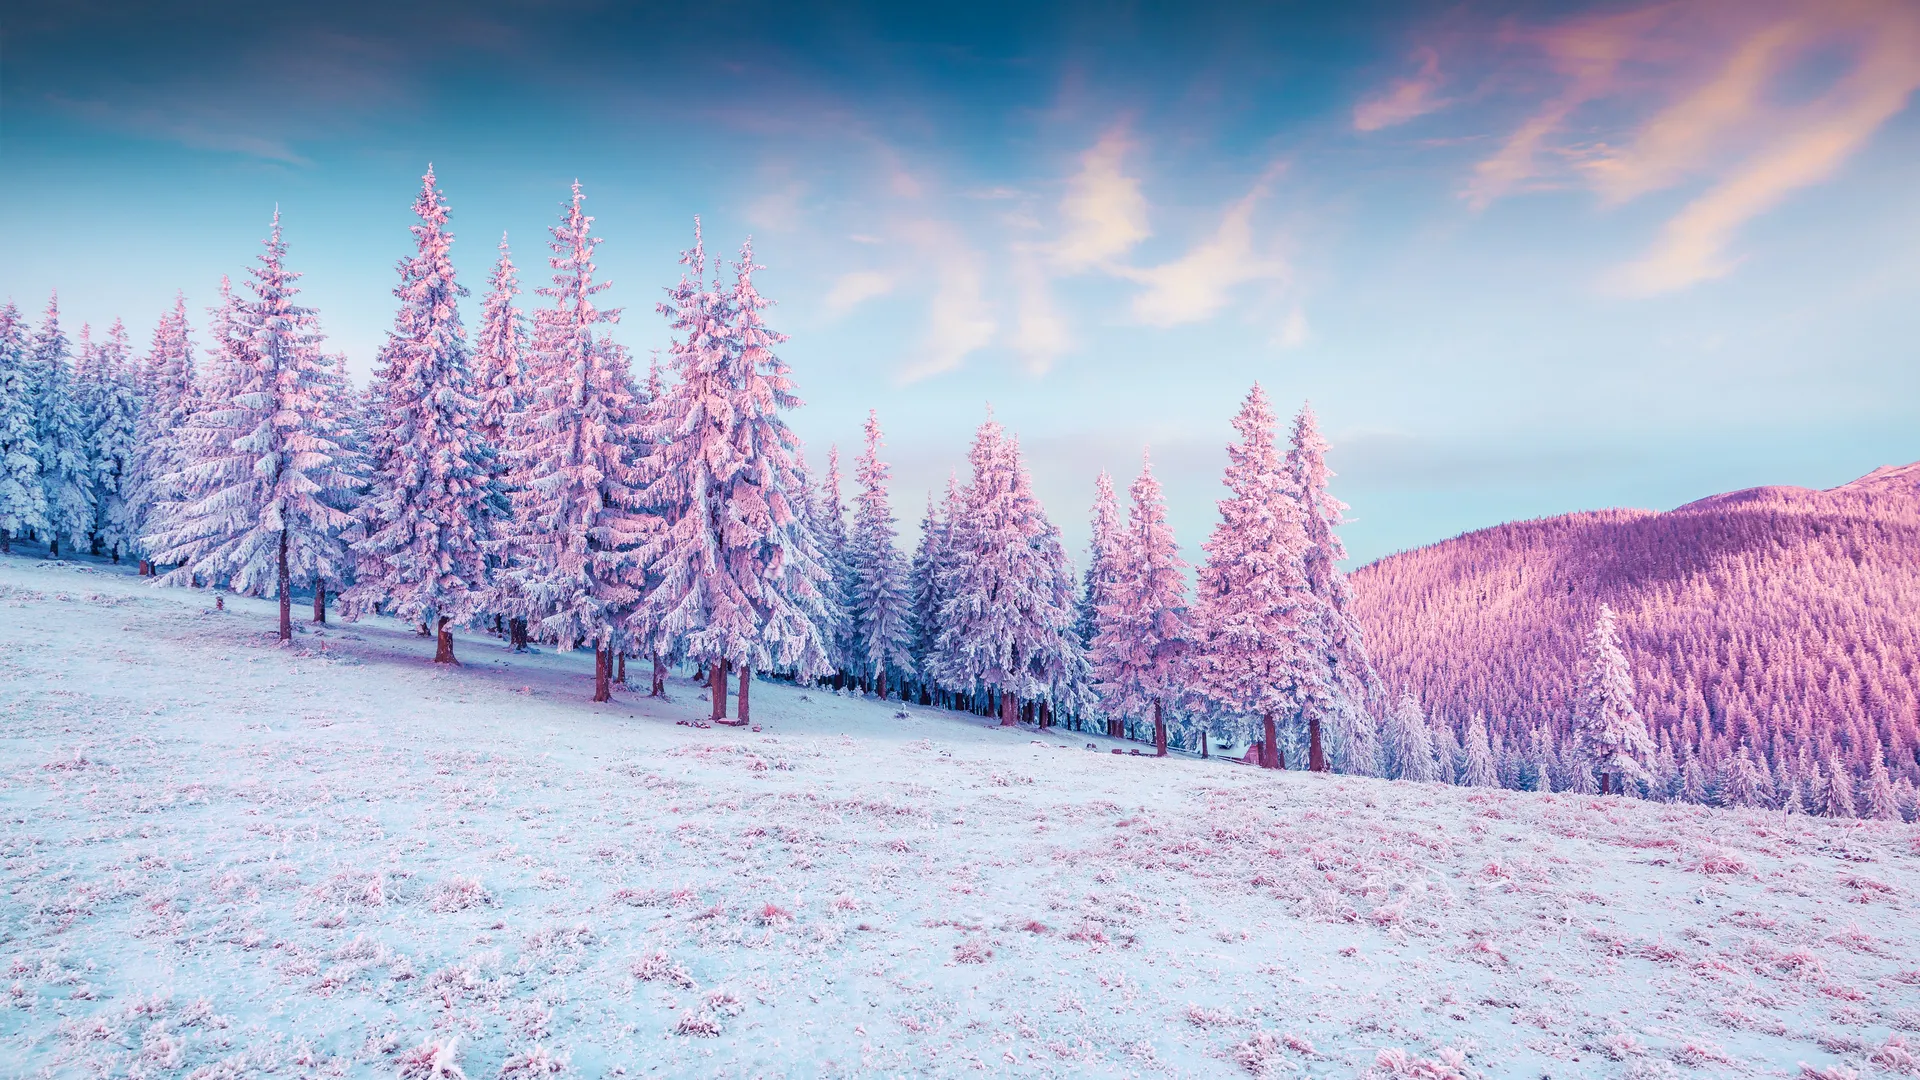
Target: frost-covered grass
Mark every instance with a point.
(224, 858)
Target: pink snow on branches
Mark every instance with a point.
(1611, 732)
(1143, 636)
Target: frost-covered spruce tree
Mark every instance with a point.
(1351, 683)
(1410, 743)
(23, 502)
(1478, 768)
(836, 552)
(879, 608)
(739, 578)
(1881, 804)
(1612, 735)
(924, 596)
(1103, 568)
(1740, 783)
(429, 515)
(1142, 637)
(578, 526)
(167, 396)
(1257, 657)
(260, 462)
(59, 433)
(113, 416)
(1835, 797)
(1006, 623)
(502, 385)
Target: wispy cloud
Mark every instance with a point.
(1196, 286)
(959, 322)
(1406, 99)
(849, 291)
(1739, 127)
(1104, 212)
(1040, 334)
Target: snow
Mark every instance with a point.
(226, 857)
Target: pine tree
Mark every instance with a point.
(579, 570)
(836, 553)
(1351, 684)
(1103, 568)
(741, 578)
(1478, 768)
(1410, 743)
(261, 463)
(1143, 635)
(1612, 734)
(1740, 787)
(112, 422)
(924, 595)
(1836, 791)
(167, 390)
(500, 354)
(1007, 620)
(879, 608)
(66, 472)
(1254, 597)
(430, 513)
(23, 501)
(1881, 804)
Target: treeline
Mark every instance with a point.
(1773, 639)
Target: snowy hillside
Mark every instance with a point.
(228, 858)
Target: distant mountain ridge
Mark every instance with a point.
(1782, 619)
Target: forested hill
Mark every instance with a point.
(1783, 618)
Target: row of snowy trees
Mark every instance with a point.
(527, 479)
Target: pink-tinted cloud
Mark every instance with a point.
(1406, 99)
(1196, 286)
(1104, 211)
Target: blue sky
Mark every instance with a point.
(1523, 258)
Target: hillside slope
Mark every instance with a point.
(1783, 618)
(223, 858)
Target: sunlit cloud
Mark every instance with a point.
(1196, 286)
(849, 291)
(1104, 212)
(1405, 100)
(959, 322)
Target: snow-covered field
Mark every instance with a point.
(224, 858)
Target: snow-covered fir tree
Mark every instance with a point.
(23, 502)
(1257, 658)
(836, 553)
(740, 579)
(112, 406)
(1477, 769)
(1351, 683)
(500, 352)
(1835, 796)
(429, 516)
(1740, 786)
(1103, 568)
(1007, 619)
(1881, 804)
(1409, 743)
(59, 434)
(260, 465)
(578, 521)
(923, 592)
(1613, 737)
(878, 607)
(1142, 634)
(167, 389)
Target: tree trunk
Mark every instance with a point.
(1316, 754)
(116, 554)
(717, 675)
(746, 680)
(517, 630)
(621, 678)
(6, 541)
(1605, 779)
(1009, 710)
(659, 677)
(286, 592)
(1203, 744)
(880, 685)
(1159, 732)
(1272, 747)
(319, 601)
(53, 547)
(602, 662)
(443, 649)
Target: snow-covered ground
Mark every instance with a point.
(224, 858)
